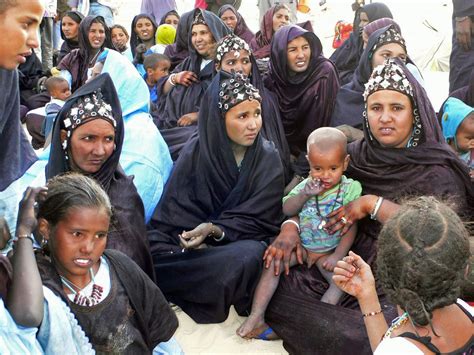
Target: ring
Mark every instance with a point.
(343, 220)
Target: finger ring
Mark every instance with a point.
(343, 220)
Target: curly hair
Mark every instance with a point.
(422, 256)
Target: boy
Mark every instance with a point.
(313, 199)
(58, 88)
(156, 66)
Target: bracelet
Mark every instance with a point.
(373, 215)
(292, 222)
(213, 234)
(26, 236)
(220, 238)
(370, 314)
(461, 19)
(171, 79)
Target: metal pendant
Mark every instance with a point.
(322, 224)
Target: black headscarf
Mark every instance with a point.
(68, 44)
(134, 39)
(16, 154)
(207, 185)
(127, 232)
(178, 51)
(241, 29)
(78, 61)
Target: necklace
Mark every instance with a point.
(323, 219)
(396, 323)
(80, 299)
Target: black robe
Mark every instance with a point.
(178, 51)
(127, 230)
(206, 185)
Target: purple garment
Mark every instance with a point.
(241, 30)
(431, 168)
(157, 8)
(178, 51)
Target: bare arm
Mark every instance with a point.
(293, 204)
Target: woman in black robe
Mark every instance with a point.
(346, 57)
(179, 103)
(178, 51)
(71, 39)
(426, 168)
(127, 233)
(240, 29)
(240, 202)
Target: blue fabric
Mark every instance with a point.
(171, 347)
(153, 91)
(454, 112)
(97, 9)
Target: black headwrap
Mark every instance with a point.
(68, 44)
(134, 39)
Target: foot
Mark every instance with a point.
(256, 328)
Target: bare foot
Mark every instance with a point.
(253, 327)
(330, 262)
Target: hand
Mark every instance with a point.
(354, 276)
(350, 213)
(188, 119)
(186, 78)
(139, 54)
(463, 31)
(287, 242)
(26, 222)
(313, 187)
(329, 261)
(193, 239)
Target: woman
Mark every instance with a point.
(227, 198)
(304, 81)
(390, 165)
(170, 18)
(420, 266)
(275, 18)
(346, 57)
(142, 32)
(180, 93)
(70, 32)
(233, 54)
(375, 25)
(383, 43)
(87, 138)
(94, 37)
(178, 51)
(120, 39)
(235, 22)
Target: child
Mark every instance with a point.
(120, 39)
(313, 199)
(156, 66)
(165, 35)
(458, 130)
(58, 88)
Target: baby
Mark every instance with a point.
(58, 89)
(312, 200)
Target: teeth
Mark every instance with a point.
(82, 261)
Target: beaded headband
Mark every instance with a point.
(231, 43)
(390, 36)
(235, 90)
(199, 19)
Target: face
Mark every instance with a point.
(298, 54)
(465, 134)
(19, 27)
(243, 122)
(77, 242)
(70, 28)
(238, 61)
(119, 38)
(365, 39)
(364, 20)
(203, 41)
(229, 19)
(144, 29)
(61, 91)
(161, 70)
(280, 18)
(172, 20)
(96, 35)
(390, 116)
(389, 50)
(90, 146)
(328, 165)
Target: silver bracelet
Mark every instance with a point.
(220, 238)
(373, 215)
(26, 236)
(170, 79)
(292, 222)
(461, 19)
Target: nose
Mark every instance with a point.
(239, 68)
(87, 246)
(99, 149)
(385, 116)
(32, 40)
(300, 54)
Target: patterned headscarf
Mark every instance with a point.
(390, 36)
(231, 43)
(390, 76)
(235, 90)
(199, 19)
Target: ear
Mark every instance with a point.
(307, 158)
(63, 135)
(346, 161)
(44, 228)
(217, 66)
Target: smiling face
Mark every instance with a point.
(70, 28)
(389, 50)
(19, 27)
(229, 19)
(298, 54)
(280, 18)
(327, 165)
(96, 35)
(91, 144)
(203, 41)
(390, 116)
(119, 39)
(172, 20)
(238, 61)
(144, 29)
(243, 122)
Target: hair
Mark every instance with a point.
(151, 61)
(326, 138)
(120, 27)
(422, 255)
(6, 4)
(279, 7)
(70, 191)
(51, 82)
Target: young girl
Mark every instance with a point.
(118, 306)
(120, 39)
(312, 200)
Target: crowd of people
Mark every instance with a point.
(189, 161)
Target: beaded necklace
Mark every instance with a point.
(396, 323)
(83, 300)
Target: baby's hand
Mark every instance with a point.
(313, 187)
(330, 261)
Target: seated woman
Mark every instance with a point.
(180, 93)
(87, 138)
(402, 155)
(347, 56)
(227, 199)
(94, 37)
(70, 32)
(234, 20)
(119, 308)
(420, 267)
(234, 54)
(170, 18)
(304, 81)
(178, 51)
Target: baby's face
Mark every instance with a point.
(61, 91)
(327, 166)
(465, 135)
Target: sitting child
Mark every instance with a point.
(156, 66)
(458, 130)
(313, 200)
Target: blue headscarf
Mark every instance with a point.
(455, 111)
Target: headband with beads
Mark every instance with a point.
(231, 43)
(199, 19)
(235, 90)
(391, 35)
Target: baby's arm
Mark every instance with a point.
(293, 204)
(341, 250)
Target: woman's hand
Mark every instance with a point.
(345, 216)
(287, 242)
(26, 222)
(188, 119)
(194, 238)
(186, 78)
(354, 276)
